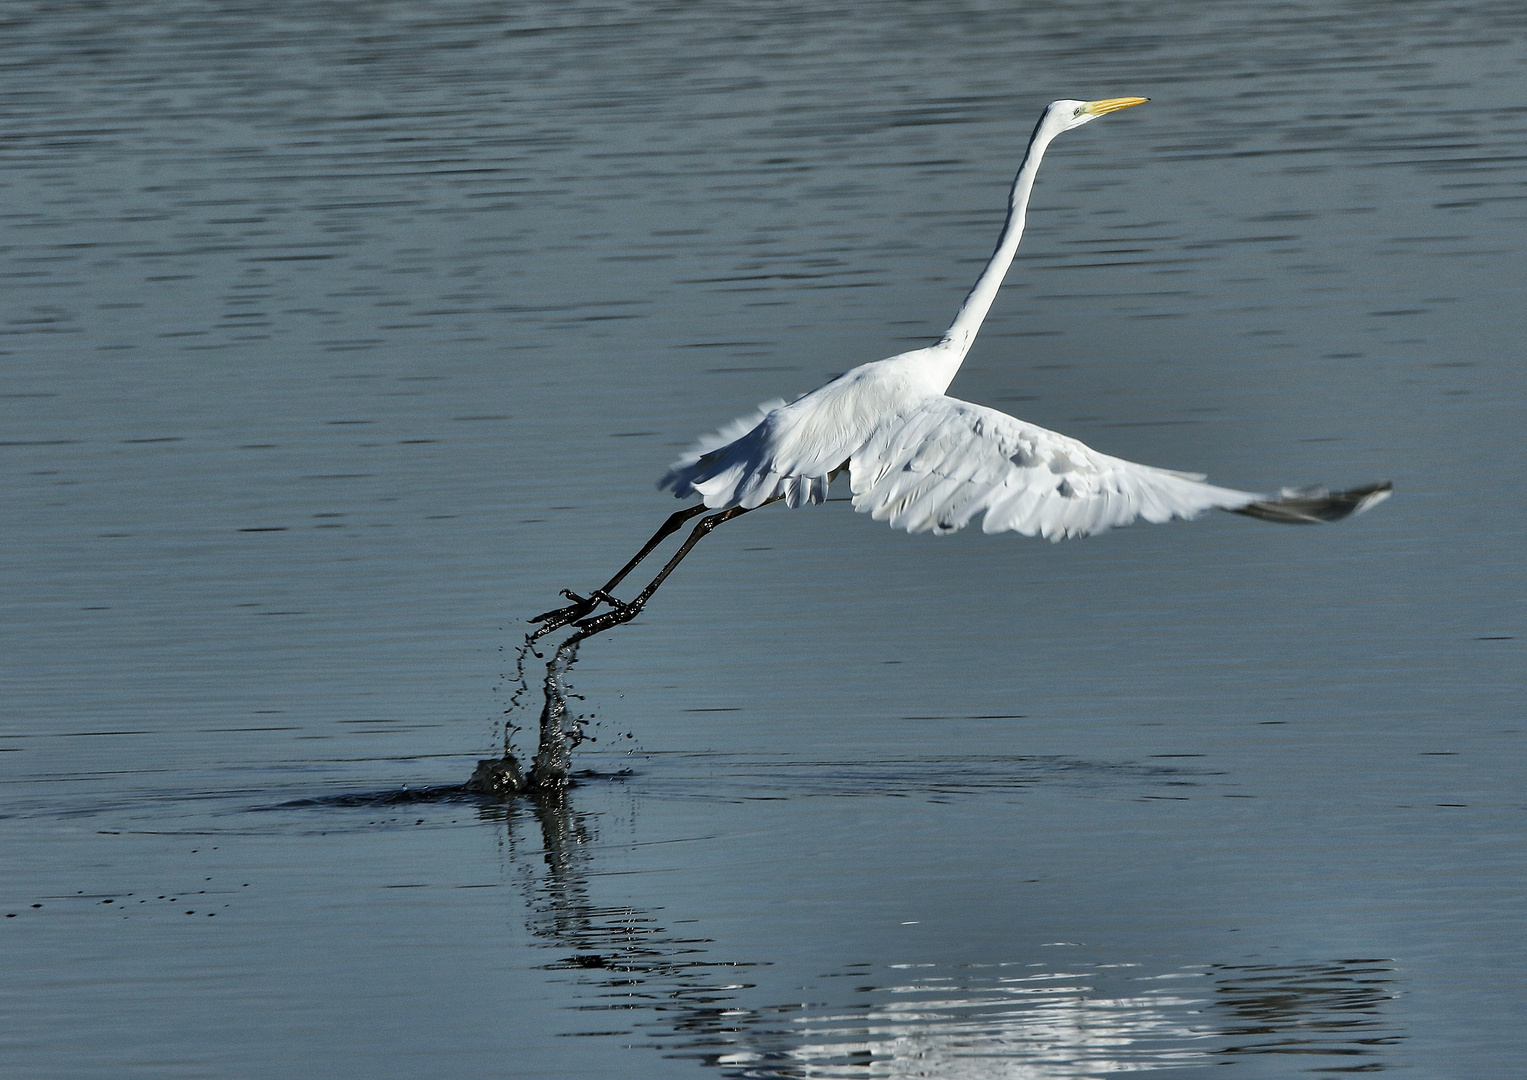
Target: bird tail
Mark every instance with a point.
(696, 462)
(1311, 506)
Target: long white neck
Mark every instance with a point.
(957, 340)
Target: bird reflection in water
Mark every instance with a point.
(1334, 1008)
(1009, 1020)
(657, 986)
(659, 990)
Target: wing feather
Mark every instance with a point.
(941, 464)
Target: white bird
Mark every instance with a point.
(927, 462)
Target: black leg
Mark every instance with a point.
(553, 758)
(584, 605)
(620, 612)
(669, 527)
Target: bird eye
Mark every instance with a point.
(1078, 111)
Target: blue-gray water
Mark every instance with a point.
(338, 337)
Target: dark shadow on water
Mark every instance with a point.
(473, 791)
(387, 797)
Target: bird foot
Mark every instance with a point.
(619, 612)
(579, 610)
(580, 607)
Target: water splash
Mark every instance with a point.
(521, 689)
(559, 733)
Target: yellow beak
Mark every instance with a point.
(1113, 104)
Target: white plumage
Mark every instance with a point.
(950, 461)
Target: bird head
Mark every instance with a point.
(1066, 114)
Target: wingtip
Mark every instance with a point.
(1315, 506)
(1371, 496)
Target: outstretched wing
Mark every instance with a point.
(937, 467)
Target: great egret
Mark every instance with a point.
(926, 462)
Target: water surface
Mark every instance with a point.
(339, 337)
